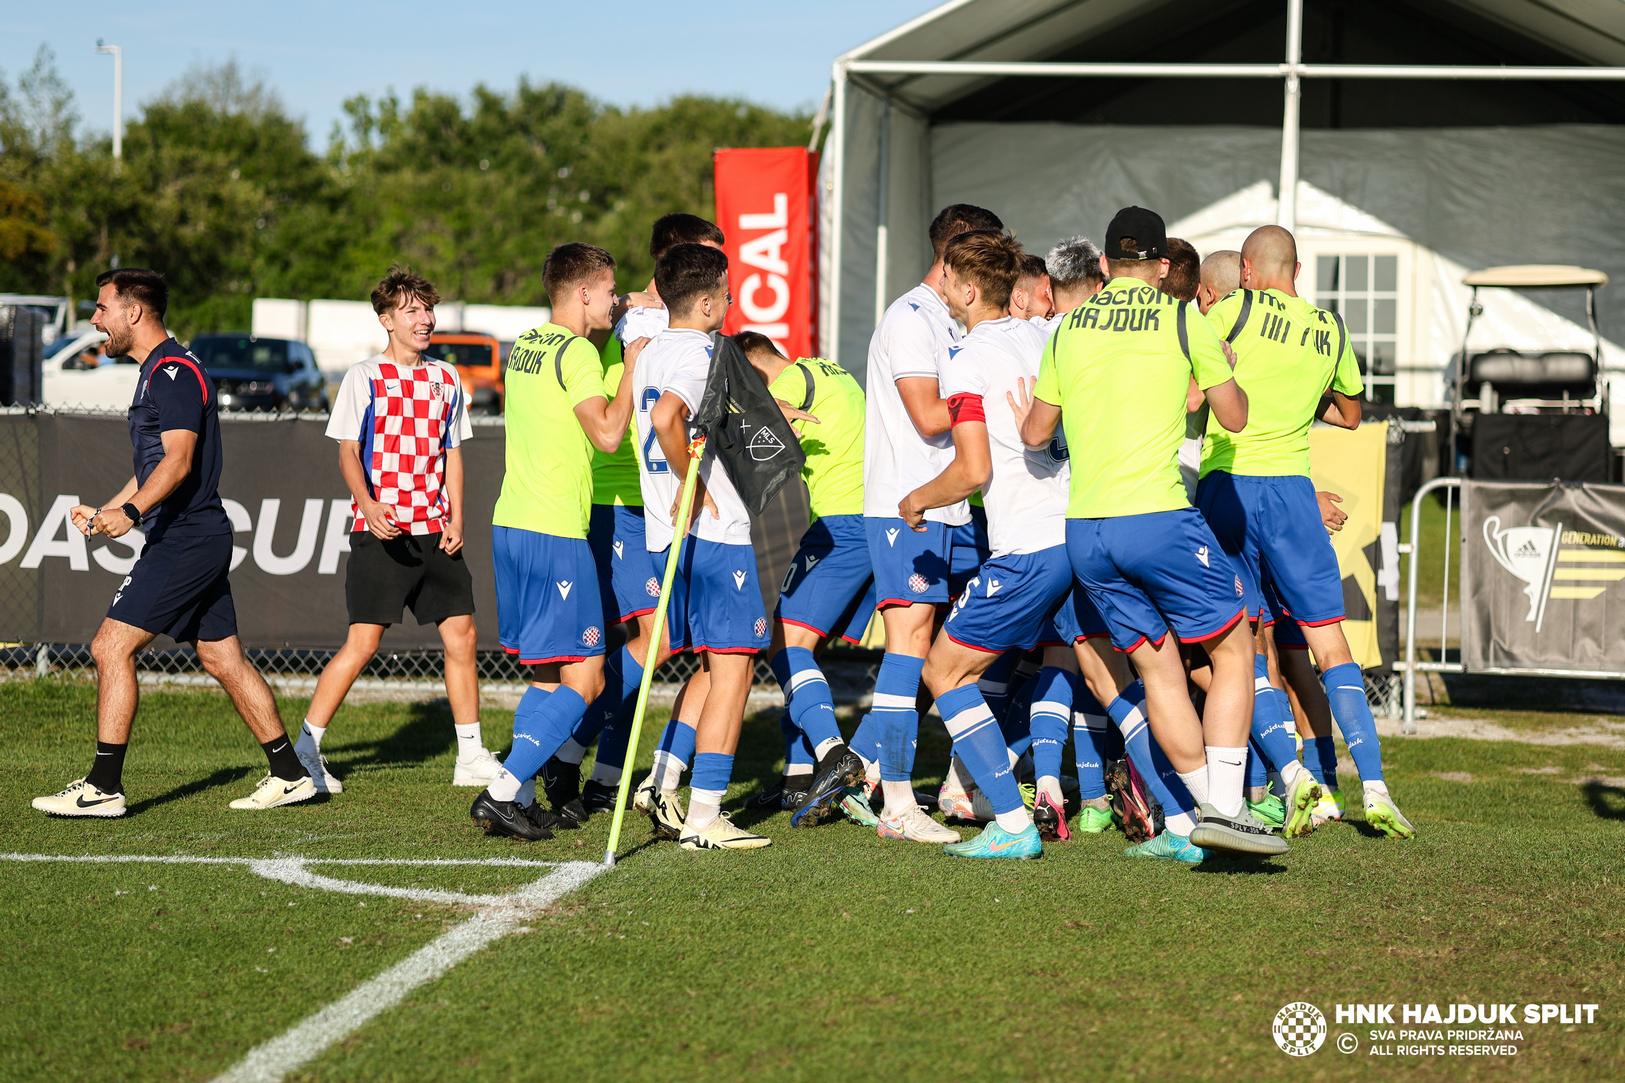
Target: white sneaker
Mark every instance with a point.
(273, 792)
(316, 764)
(480, 771)
(914, 825)
(667, 814)
(721, 834)
(82, 799)
(643, 796)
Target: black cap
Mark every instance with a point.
(1136, 233)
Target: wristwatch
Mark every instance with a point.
(132, 513)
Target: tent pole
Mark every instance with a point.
(837, 139)
(881, 240)
(1287, 212)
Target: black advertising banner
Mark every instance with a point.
(1540, 574)
(290, 513)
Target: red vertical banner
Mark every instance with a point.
(766, 205)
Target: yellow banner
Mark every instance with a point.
(1353, 464)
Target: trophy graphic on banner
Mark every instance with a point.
(1526, 552)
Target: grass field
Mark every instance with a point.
(829, 956)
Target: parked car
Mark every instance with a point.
(478, 358)
(258, 373)
(78, 373)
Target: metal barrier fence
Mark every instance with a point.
(1410, 667)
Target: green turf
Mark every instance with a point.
(830, 955)
(1430, 571)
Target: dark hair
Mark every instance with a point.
(957, 218)
(756, 342)
(686, 272)
(675, 229)
(1032, 265)
(400, 283)
(140, 286)
(1184, 270)
(571, 263)
(990, 258)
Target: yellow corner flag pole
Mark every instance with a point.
(680, 531)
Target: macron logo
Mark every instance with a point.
(1201, 554)
(811, 560)
(617, 546)
(993, 586)
(564, 589)
(891, 536)
(739, 580)
(171, 370)
(953, 351)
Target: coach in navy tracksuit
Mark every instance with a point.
(178, 586)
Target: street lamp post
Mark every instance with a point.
(118, 96)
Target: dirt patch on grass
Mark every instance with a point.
(1599, 731)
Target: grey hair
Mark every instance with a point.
(1073, 263)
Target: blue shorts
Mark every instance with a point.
(1011, 604)
(628, 578)
(716, 602)
(1147, 573)
(1272, 527)
(1076, 620)
(829, 579)
(548, 608)
(968, 549)
(1288, 632)
(909, 566)
(178, 588)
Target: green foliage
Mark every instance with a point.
(220, 190)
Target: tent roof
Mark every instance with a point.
(1535, 274)
(1588, 31)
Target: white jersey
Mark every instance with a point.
(1027, 490)
(912, 340)
(678, 362)
(636, 323)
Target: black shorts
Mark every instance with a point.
(409, 571)
(179, 589)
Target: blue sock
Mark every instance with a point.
(529, 704)
(1016, 727)
(1051, 716)
(1320, 756)
(866, 740)
(978, 742)
(797, 752)
(1257, 773)
(995, 682)
(609, 717)
(539, 733)
(806, 694)
(1090, 730)
(896, 688)
(1274, 736)
(673, 754)
(1345, 689)
(712, 770)
(1128, 712)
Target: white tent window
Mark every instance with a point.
(1364, 288)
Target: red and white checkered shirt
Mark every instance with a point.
(405, 417)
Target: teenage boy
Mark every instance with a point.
(179, 586)
(716, 607)
(400, 419)
(548, 609)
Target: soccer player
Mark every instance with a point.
(906, 444)
(548, 608)
(716, 606)
(400, 419)
(1296, 363)
(179, 585)
(827, 587)
(628, 579)
(1032, 297)
(1116, 372)
(1184, 275)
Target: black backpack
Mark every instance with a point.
(744, 428)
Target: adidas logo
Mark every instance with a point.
(1527, 549)
(739, 580)
(564, 589)
(891, 536)
(1201, 554)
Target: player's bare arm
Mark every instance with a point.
(670, 420)
(179, 445)
(451, 531)
(379, 520)
(1038, 428)
(792, 414)
(1229, 404)
(82, 514)
(973, 463)
(926, 408)
(1333, 516)
(605, 422)
(1340, 410)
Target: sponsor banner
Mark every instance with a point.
(766, 208)
(1540, 572)
(1353, 464)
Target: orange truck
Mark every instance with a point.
(478, 358)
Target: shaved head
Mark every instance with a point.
(1271, 256)
(1221, 271)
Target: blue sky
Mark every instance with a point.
(314, 55)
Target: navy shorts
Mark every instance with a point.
(628, 579)
(909, 566)
(1011, 604)
(968, 549)
(547, 597)
(830, 580)
(1271, 527)
(1149, 573)
(716, 601)
(178, 588)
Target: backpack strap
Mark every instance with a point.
(806, 373)
(1241, 317)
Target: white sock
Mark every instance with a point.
(959, 779)
(310, 738)
(797, 771)
(1015, 821)
(1197, 783)
(606, 774)
(571, 752)
(1181, 823)
(1226, 775)
(899, 796)
(1290, 773)
(1374, 789)
(871, 771)
(505, 787)
(668, 769)
(704, 806)
(470, 744)
(824, 748)
(1051, 785)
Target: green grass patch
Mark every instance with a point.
(1430, 571)
(829, 955)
